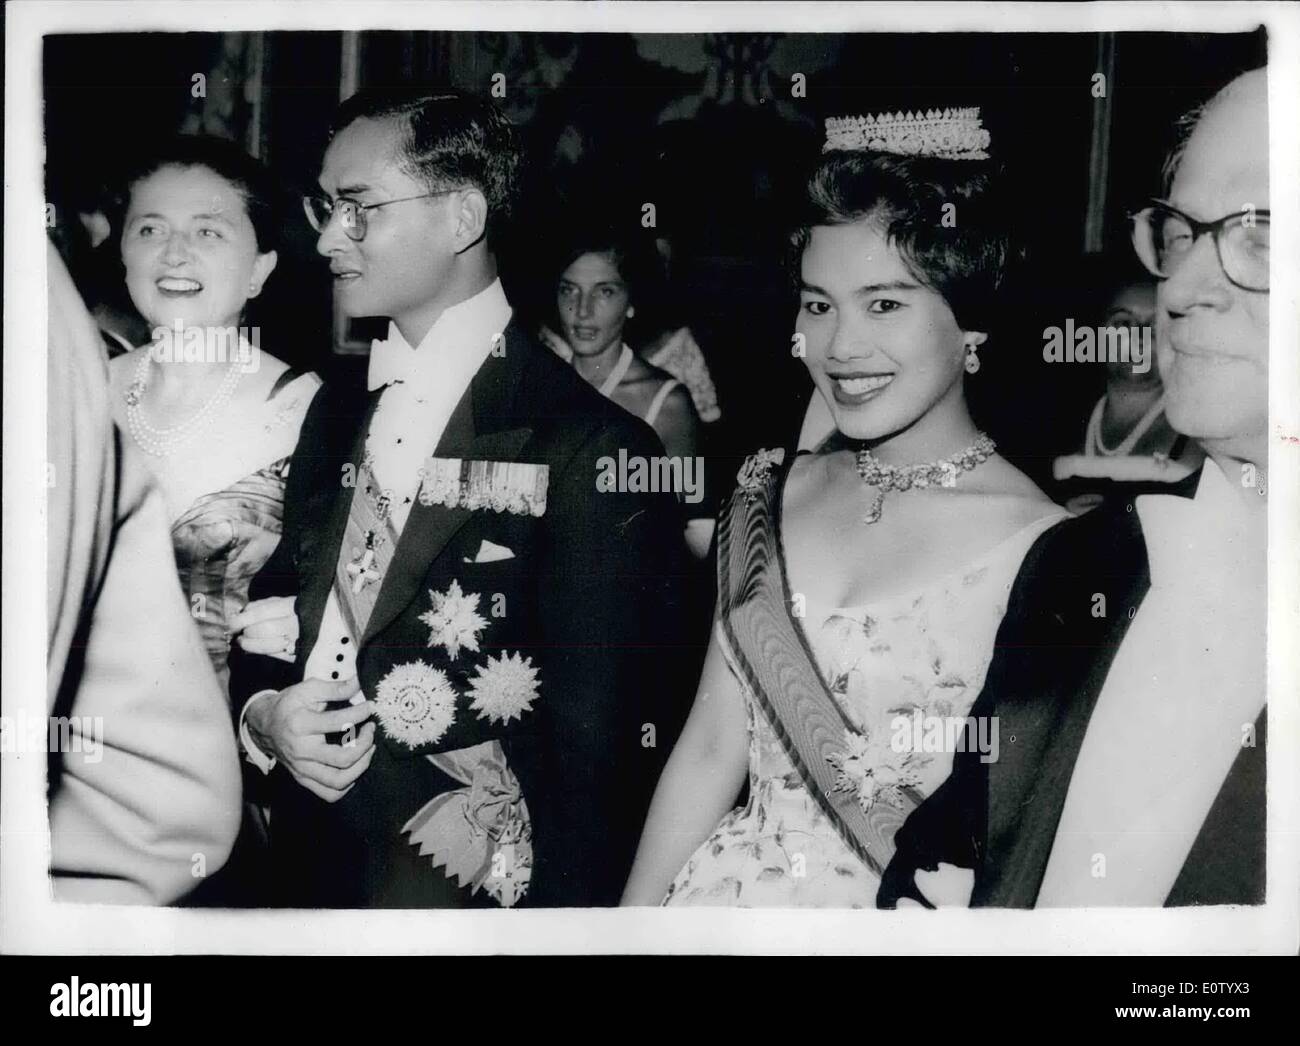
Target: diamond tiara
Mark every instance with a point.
(952, 134)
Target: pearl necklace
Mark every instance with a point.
(942, 473)
(1092, 438)
(163, 442)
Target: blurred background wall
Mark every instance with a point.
(710, 129)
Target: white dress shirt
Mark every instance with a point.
(1178, 704)
(421, 389)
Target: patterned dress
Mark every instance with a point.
(227, 531)
(225, 502)
(920, 653)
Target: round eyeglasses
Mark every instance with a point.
(321, 210)
(1163, 237)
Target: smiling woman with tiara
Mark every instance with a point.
(861, 582)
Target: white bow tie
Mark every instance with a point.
(390, 361)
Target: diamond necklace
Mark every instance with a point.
(162, 442)
(942, 473)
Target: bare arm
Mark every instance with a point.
(678, 424)
(698, 786)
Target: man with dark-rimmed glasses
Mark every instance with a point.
(1164, 236)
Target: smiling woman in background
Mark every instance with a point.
(216, 416)
(1128, 443)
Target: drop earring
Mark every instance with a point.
(972, 360)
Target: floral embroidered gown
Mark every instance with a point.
(225, 500)
(923, 651)
(226, 532)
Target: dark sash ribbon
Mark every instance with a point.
(772, 652)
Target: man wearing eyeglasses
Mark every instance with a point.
(1128, 684)
(448, 669)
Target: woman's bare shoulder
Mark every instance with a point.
(642, 372)
(1014, 493)
(678, 404)
(641, 384)
(1018, 490)
(269, 369)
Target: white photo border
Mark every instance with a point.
(30, 922)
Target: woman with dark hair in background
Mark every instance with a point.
(216, 416)
(1127, 440)
(604, 277)
(860, 584)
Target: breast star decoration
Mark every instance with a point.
(872, 770)
(454, 621)
(504, 688)
(415, 703)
